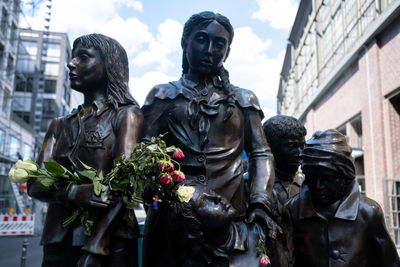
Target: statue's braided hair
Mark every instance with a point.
(203, 19)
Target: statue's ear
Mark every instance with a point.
(227, 53)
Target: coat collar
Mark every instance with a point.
(191, 81)
(347, 210)
(100, 106)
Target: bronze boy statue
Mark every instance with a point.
(329, 223)
(286, 137)
(106, 126)
(212, 122)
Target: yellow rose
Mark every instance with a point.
(18, 175)
(27, 165)
(185, 193)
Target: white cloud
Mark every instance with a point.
(279, 13)
(79, 17)
(250, 67)
(140, 86)
(166, 42)
(131, 33)
(137, 5)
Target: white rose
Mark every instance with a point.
(18, 175)
(185, 193)
(26, 165)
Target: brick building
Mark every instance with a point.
(341, 70)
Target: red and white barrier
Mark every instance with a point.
(16, 224)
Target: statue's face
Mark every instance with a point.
(287, 154)
(85, 69)
(326, 186)
(213, 211)
(207, 48)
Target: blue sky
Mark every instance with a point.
(150, 31)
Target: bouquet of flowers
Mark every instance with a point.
(151, 163)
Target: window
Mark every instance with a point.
(393, 206)
(10, 67)
(49, 107)
(53, 52)
(342, 129)
(44, 124)
(1, 55)
(16, 6)
(20, 84)
(357, 126)
(50, 86)
(2, 140)
(23, 115)
(6, 100)
(4, 21)
(26, 151)
(51, 69)
(13, 34)
(27, 51)
(361, 184)
(28, 47)
(22, 103)
(13, 147)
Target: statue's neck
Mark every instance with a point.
(201, 80)
(284, 176)
(93, 95)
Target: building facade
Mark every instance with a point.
(341, 71)
(42, 90)
(16, 138)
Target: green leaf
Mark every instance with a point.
(87, 174)
(101, 177)
(129, 205)
(54, 168)
(170, 149)
(97, 187)
(47, 182)
(131, 215)
(87, 167)
(153, 147)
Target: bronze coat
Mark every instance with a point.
(213, 149)
(355, 236)
(95, 139)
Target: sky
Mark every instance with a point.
(150, 31)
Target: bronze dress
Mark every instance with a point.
(194, 119)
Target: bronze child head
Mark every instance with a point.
(111, 57)
(328, 166)
(286, 137)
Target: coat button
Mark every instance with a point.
(204, 92)
(202, 178)
(335, 254)
(201, 158)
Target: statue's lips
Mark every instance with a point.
(73, 76)
(207, 63)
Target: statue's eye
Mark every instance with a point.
(201, 38)
(220, 45)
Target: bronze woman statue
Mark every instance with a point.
(212, 121)
(106, 126)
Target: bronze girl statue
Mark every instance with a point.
(212, 121)
(106, 126)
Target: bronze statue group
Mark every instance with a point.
(314, 218)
